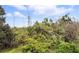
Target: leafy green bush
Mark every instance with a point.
(35, 49)
(29, 48)
(35, 46)
(66, 47)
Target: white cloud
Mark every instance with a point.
(18, 14)
(61, 10)
(44, 9)
(8, 15)
(41, 9)
(49, 9)
(15, 14)
(19, 7)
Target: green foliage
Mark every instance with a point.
(20, 35)
(6, 35)
(35, 46)
(65, 19)
(42, 37)
(65, 47)
(48, 37)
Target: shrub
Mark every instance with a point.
(29, 48)
(34, 48)
(71, 32)
(65, 47)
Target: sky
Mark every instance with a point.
(16, 15)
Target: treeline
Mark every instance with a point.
(42, 37)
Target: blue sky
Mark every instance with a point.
(37, 12)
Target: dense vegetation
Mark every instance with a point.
(42, 37)
(6, 35)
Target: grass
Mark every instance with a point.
(13, 50)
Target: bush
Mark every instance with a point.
(65, 47)
(35, 46)
(29, 48)
(34, 49)
(71, 32)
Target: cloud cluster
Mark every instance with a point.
(19, 7)
(19, 14)
(15, 14)
(47, 10)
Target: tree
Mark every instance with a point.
(51, 20)
(65, 19)
(6, 37)
(45, 21)
(36, 23)
(2, 13)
